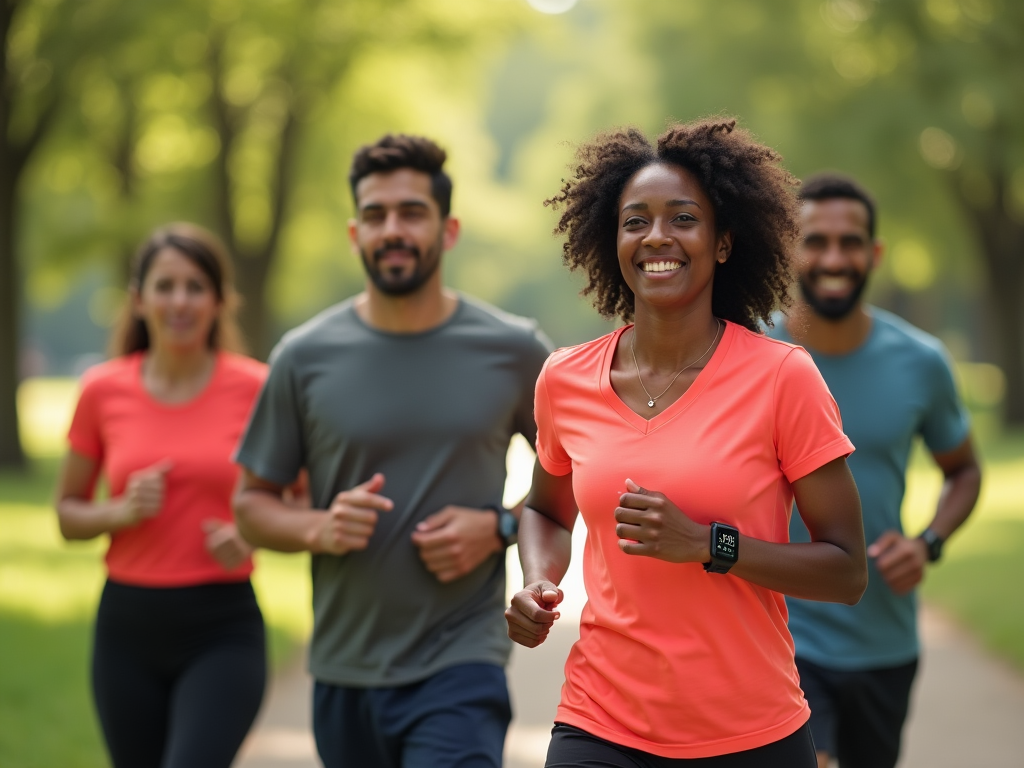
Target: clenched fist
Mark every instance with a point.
(349, 523)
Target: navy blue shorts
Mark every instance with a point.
(857, 715)
(455, 719)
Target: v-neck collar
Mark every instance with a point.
(635, 420)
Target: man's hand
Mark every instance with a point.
(454, 541)
(532, 613)
(351, 519)
(900, 560)
(225, 544)
(143, 494)
(650, 525)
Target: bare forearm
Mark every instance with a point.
(80, 519)
(959, 495)
(812, 571)
(545, 548)
(265, 520)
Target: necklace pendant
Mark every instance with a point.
(650, 403)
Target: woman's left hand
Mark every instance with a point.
(225, 544)
(649, 524)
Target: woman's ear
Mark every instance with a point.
(724, 247)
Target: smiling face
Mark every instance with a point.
(399, 231)
(177, 301)
(667, 243)
(836, 255)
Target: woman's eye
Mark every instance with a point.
(685, 218)
(633, 222)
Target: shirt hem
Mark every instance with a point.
(349, 678)
(689, 751)
(178, 580)
(863, 664)
(841, 446)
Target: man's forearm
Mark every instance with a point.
(265, 520)
(956, 502)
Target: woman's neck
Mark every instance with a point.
(177, 375)
(668, 342)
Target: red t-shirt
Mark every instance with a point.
(119, 424)
(672, 660)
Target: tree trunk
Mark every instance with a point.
(1002, 239)
(11, 454)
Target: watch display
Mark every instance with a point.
(725, 548)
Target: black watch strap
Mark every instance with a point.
(725, 548)
(933, 542)
(508, 526)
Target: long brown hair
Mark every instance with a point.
(205, 250)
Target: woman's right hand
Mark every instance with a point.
(532, 613)
(144, 494)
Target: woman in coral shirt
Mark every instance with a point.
(683, 439)
(179, 660)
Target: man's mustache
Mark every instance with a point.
(412, 250)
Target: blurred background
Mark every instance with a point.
(117, 116)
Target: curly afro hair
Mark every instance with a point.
(753, 198)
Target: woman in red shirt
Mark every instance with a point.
(179, 659)
(683, 439)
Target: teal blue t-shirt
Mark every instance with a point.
(896, 385)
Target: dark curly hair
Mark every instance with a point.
(398, 150)
(753, 198)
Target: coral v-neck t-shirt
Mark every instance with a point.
(672, 660)
(120, 425)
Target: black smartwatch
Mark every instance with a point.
(933, 542)
(508, 526)
(725, 548)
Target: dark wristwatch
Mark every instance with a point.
(725, 548)
(933, 542)
(508, 526)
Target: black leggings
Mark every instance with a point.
(571, 746)
(178, 673)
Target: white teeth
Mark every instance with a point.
(660, 266)
(834, 283)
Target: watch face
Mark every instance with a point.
(726, 540)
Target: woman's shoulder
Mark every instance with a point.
(244, 367)
(758, 346)
(580, 358)
(239, 372)
(117, 371)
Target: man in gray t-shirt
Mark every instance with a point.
(400, 404)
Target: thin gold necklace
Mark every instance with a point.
(652, 400)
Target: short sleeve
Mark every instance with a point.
(945, 424)
(537, 351)
(85, 435)
(272, 447)
(550, 453)
(808, 427)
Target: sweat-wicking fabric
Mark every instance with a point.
(432, 411)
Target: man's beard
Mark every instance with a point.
(834, 308)
(426, 266)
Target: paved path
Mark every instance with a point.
(968, 708)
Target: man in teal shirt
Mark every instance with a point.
(892, 381)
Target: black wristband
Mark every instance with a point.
(508, 525)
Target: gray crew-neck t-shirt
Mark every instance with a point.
(897, 385)
(432, 411)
